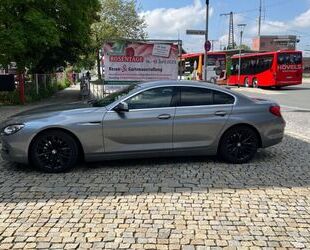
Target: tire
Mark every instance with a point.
(278, 87)
(246, 82)
(255, 83)
(54, 151)
(239, 145)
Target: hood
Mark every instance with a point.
(53, 108)
(60, 110)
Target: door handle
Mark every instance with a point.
(164, 116)
(220, 113)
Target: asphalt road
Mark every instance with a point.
(293, 97)
(295, 104)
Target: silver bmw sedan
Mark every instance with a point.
(164, 118)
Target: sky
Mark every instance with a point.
(169, 19)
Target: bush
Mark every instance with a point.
(7, 98)
(31, 93)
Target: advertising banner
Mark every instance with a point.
(136, 61)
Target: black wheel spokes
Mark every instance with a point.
(53, 152)
(241, 145)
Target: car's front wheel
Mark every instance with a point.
(239, 144)
(54, 151)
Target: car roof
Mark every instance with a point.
(176, 82)
(185, 83)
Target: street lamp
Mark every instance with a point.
(241, 27)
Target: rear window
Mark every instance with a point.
(289, 58)
(195, 96)
(222, 98)
(191, 96)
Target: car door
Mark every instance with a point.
(200, 116)
(146, 126)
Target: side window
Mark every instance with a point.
(191, 96)
(152, 98)
(222, 98)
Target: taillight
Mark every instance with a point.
(275, 110)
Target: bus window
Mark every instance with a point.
(289, 58)
(263, 64)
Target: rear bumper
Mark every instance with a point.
(272, 142)
(273, 132)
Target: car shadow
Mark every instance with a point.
(285, 165)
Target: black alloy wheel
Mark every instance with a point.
(239, 145)
(54, 151)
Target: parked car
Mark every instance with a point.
(164, 118)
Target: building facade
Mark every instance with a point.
(274, 43)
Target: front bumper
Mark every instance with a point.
(13, 150)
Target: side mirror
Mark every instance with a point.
(121, 107)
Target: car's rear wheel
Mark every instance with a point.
(239, 144)
(54, 151)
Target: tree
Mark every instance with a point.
(119, 19)
(74, 20)
(44, 34)
(244, 47)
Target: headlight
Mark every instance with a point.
(12, 129)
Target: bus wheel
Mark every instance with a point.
(278, 87)
(255, 83)
(246, 82)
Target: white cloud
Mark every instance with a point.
(169, 23)
(271, 27)
(303, 20)
(163, 23)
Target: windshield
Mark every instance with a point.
(114, 96)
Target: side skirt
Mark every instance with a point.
(151, 154)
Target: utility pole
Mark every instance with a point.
(206, 40)
(242, 27)
(260, 18)
(231, 37)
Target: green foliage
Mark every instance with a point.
(9, 98)
(244, 47)
(45, 34)
(119, 19)
(31, 93)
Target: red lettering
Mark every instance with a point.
(134, 59)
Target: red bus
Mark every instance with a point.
(193, 66)
(268, 69)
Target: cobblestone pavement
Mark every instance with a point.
(183, 203)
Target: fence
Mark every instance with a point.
(99, 90)
(38, 86)
(96, 90)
